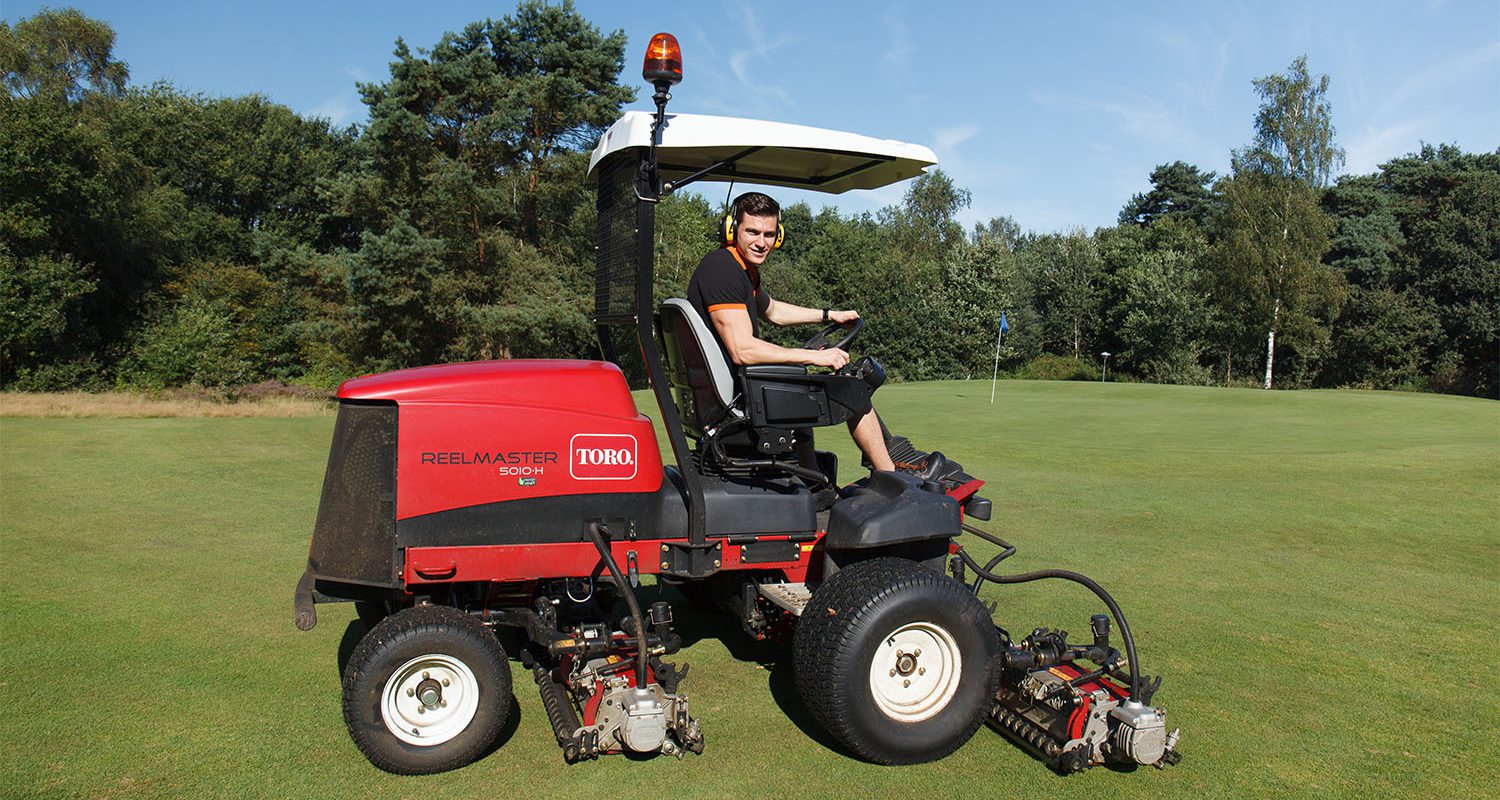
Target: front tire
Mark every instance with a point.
(427, 690)
(895, 660)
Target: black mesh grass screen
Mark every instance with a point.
(355, 535)
(618, 252)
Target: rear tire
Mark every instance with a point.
(427, 690)
(896, 661)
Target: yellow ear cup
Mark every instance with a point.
(729, 228)
(780, 236)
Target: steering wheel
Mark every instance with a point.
(819, 341)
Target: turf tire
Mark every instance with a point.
(843, 631)
(445, 635)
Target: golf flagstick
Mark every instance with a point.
(999, 337)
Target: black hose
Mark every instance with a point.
(593, 529)
(1006, 551)
(1062, 574)
(816, 478)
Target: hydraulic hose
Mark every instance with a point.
(816, 478)
(1061, 574)
(594, 530)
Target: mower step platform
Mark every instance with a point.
(793, 597)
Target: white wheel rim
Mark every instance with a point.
(915, 672)
(429, 700)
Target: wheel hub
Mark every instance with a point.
(430, 693)
(915, 672)
(430, 699)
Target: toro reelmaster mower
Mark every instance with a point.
(531, 495)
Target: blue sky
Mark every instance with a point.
(1052, 113)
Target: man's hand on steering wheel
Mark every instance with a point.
(831, 357)
(843, 317)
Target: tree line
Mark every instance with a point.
(154, 238)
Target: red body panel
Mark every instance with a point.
(524, 562)
(491, 431)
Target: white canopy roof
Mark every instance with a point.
(771, 153)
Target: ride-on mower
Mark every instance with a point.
(531, 495)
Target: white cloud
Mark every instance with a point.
(1144, 118)
(898, 51)
(1448, 71)
(753, 76)
(340, 110)
(1374, 146)
(946, 139)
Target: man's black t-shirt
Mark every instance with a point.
(723, 281)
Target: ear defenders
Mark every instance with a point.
(730, 227)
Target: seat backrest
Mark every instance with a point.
(702, 382)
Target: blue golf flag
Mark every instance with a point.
(1004, 326)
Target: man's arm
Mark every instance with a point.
(735, 331)
(779, 313)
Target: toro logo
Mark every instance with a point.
(602, 457)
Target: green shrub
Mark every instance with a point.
(195, 344)
(1048, 367)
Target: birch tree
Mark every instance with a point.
(1277, 234)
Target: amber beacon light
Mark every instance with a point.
(663, 65)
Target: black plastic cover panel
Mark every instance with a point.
(547, 520)
(757, 505)
(892, 508)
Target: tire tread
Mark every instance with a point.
(397, 630)
(824, 649)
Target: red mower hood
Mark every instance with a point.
(548, 383)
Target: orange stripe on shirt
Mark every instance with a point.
(753, 273)
(722, 306)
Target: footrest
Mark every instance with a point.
(903, 452)
(793, 597)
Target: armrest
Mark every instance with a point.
(772, 370)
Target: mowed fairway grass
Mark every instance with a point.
(1315, 573)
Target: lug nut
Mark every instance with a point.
(893, 673)
(905, 684)
(426, 676)
(922, 671)
(446, 682)
(421, 709)
(411, 692)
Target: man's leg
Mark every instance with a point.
(867, 434)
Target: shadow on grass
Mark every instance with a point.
(512, 724)
(696, 623)
(355, 631)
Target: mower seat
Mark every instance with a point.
(758, 407)
(702, 382)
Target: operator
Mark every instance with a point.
(725, 289)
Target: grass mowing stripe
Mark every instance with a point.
(1314, 572)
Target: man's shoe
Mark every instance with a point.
(935, 467)
(933, 464)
